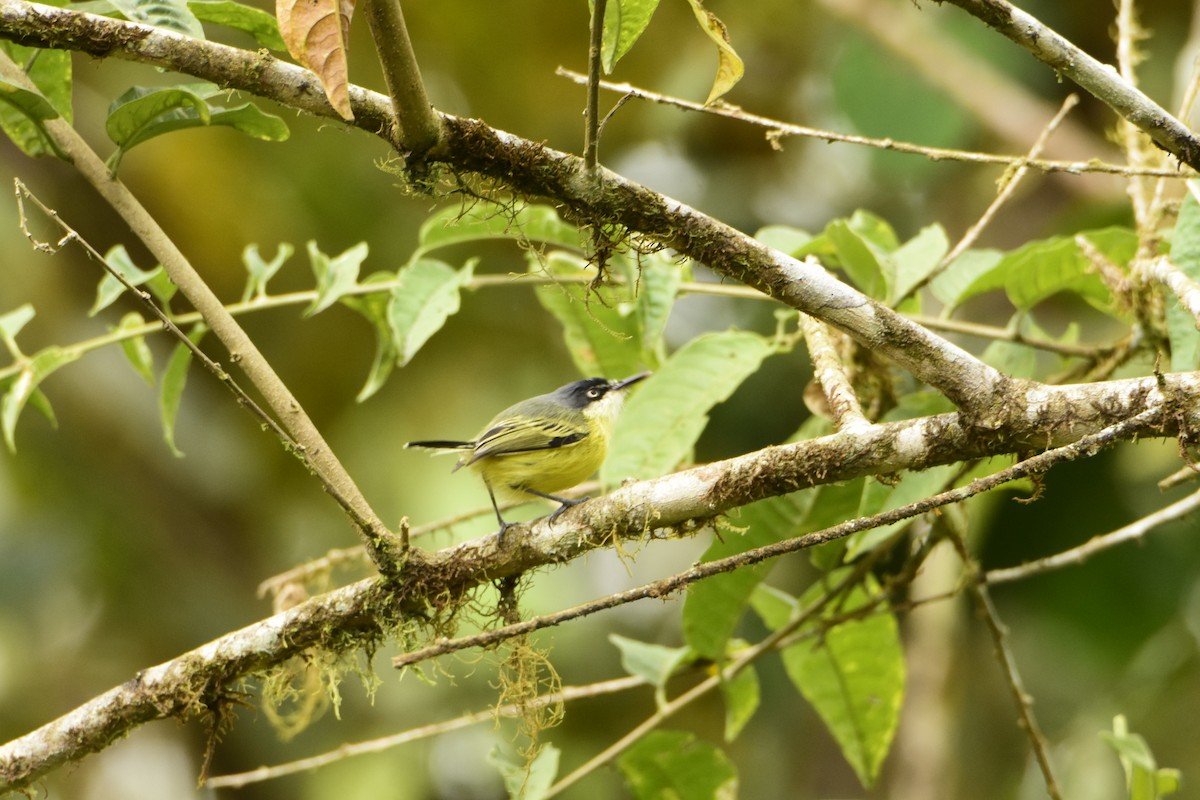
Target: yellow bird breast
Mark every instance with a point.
(546, 471)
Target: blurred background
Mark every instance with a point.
(115, 555)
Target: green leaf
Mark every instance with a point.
(665, 417)
(1043, 268)
(109, 288)
(173, 15)
(713, 606)
(335, 275)
(784, 238)
(24, 387)
(527, 781)
(653, 663)
(453, 225)
(675, 765)
(22, 113)
(1012, 358)
(1143, 777)
(657, 289)
(260, 272)
(170, 391)
(917, 258)
(729, 65)
(865, 263)
(11, 324)
(879, 497)
(852, 673)
(741, 694)
(143, 113)
(601, 327)
(1185, 254)
(624, 22)
(953, 285)
(426, 296)
(374, 306)
(259, 24)
(135, 348)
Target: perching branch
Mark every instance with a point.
(366, 610)
(1100, 80)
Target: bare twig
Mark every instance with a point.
(1007, 188)
(1102, 82)
(1077, 555)
(565, 695)
(1008, 663)
(777, 129)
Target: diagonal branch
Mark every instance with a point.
(1102, 81)
(362, 613)
(311, 446)
(535, 171)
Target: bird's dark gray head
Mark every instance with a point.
(584, 393)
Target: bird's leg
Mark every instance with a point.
(566, 502)
(504, 526)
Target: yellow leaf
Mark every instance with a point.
(317, 35)
(729, 65)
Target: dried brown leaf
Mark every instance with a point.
(317, 34)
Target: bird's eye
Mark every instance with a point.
(594, 394)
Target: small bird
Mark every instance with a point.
(544, 444)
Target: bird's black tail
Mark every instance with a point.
(442, 444)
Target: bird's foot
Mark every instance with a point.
(566, 503)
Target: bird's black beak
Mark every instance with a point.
(619, 385)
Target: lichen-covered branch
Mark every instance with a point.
(534, 171)
(360, 614)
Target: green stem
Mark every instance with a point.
(420, 126)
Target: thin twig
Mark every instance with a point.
(166, 323)
(1008, 663)
(1077, 555)
(1008, 187)
(778, 129)
(311, 446)
(564, 695)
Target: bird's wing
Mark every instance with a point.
(523, 437)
